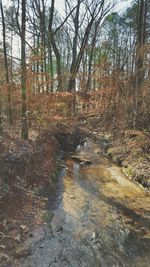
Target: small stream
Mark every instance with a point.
(101, 218)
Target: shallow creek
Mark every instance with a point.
(101, 218)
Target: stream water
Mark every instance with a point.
(101, 218)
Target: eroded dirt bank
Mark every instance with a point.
(26, 169)
(100, 218)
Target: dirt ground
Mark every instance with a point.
(25, 167)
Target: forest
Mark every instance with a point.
(72, 73)
(88, 52)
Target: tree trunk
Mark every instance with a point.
(52, 43)
(88, 85)
(50, 64)
(72, 80)
(6, 67)
(139, 61)
(1, 127)
(24, 130)
(140, 46)
(58, 61)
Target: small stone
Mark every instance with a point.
(72, 197)
(23, 252)
(2, 246)
(18, 238)
(64, 166)
(41, 246)
(45, 199)
(97, 151)
(93, 236)
(23, 227)
(30, 235)
(59, 229)
(4, 257)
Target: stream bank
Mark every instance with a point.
(127, 147)
(27, 169)
(100, 218)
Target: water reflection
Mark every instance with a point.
(78, 148)
(76, 169)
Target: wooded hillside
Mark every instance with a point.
(88, 57)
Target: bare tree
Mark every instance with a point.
(6, 66)
(24, 130)
(93, 10)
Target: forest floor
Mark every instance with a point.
(26, 167)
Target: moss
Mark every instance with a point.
(129, 171)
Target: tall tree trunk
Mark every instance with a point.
(72, 80)
(44, 46)
(88, 85)
(140, 45)
(6, 67)
(50, 64)
(139, 61)
(24, 130)
(52, 43)
(42, 16)
(58, 65)
(1, 127)
(94, 74)
(38, 65)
